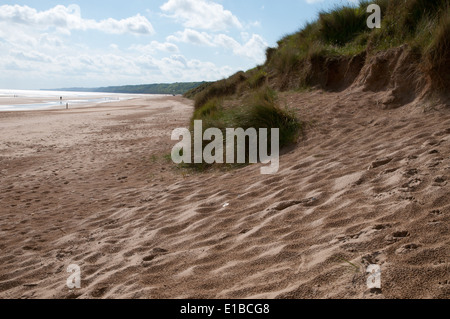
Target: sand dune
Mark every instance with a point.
(92, 187)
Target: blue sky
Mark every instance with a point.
(55, 44)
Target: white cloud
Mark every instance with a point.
(78, 68)
(155, 47)
(31, 56)
(178, 68)
(255, 24)
(192, 37)
(69, 18)
(201, 14)
(50, 41)
(39, 50)
(253, 48)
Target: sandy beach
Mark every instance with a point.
(94, 187)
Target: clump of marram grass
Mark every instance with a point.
(342, 25)
(258, 110)
(438, 54)
(413, 11)
(208, 109)
(195, 91)
(287, 59)
(256, 78)
(412, 22)
(220, 88)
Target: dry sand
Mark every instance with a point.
(92, 187)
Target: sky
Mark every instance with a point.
(47, 44)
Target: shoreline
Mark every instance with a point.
(19, 104)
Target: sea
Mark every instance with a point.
(28, 100)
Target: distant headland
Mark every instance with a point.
(162, 88)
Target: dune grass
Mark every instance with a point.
(342, 25)
(256, 78)
(259, 110)
(438, 54)
(225, 87)
(343, 31)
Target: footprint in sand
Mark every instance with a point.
(156, 252)
(99, 292)
(375, 258)
(435, 163)
(381, 226)
(439, 181)
(436, 212)
(411, 172)
(412, 185)
(396, 236)
(380, 162)
(407, 249)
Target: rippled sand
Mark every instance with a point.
(93, 187)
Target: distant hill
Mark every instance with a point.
(173, 88)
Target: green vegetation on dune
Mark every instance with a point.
(221, 88)
(438, 53)
(343, 32)
(258, 110)
(424, 25)
(190, 94)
